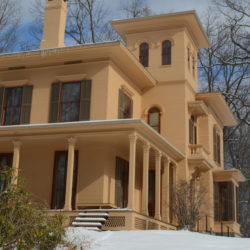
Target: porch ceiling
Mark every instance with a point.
(114, 132)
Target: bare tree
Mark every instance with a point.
(135, 8)
(224, 67)
(9, 17)
(188, 199)
(237, 23)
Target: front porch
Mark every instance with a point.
(121, 219)
(89, 181)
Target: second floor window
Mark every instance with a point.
(154, 118)
(166, 52)
(125, 110)
(70, 101)
(192, 131)
(144, 52)
(15, 105)
(216, 142)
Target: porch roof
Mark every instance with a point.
(112, 127)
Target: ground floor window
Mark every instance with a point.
(224, 201)
(59, 180)
(5, 162)
(121, 182)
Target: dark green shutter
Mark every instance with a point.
(121, 104)
(214, 142)
(26, 104)
(131, 108)
(1, 103)
(85, 100)
(190, 131)
(218, 148)
(54, 102)
(118, 182)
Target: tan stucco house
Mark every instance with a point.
(110, 129)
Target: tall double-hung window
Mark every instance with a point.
(166, 52)
(144, 54)
(70, 101)
(125, 109)
(15, 105)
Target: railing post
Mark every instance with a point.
(221, 228)
(228, 231)
(198, 226)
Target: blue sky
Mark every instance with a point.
(158, 6)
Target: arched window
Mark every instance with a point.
(144, 51)
(154, 117)
(166, 52)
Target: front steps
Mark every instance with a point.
(90, 220)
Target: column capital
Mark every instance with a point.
(146, 146)
(158, 154)
(133, 137)
(17, 143)
(166, 160)
(71, 141)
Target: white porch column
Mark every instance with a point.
(70, 172)
(165, 190)
(146, 148)
(132, 162)
(158, 185)
(16, 160)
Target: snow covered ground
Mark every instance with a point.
(154, 240)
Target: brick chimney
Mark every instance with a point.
(54, 24)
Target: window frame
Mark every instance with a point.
(125, 99)
(61, 101)
(144, 59)
(166, 56)
(11, 106)
(159, 118)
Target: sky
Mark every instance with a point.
(158, 6)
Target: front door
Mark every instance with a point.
(151, 193)
(59, 180)
(121, 189)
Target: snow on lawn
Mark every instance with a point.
(154, 240)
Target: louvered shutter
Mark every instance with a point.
(85, 102)
(26, 104)
(190, 131)
(118, 182)
(131, 108)
(218, 148)
(214, 142)
(54, 102)
(1, 104)
(121, 104)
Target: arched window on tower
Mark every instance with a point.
(154, 119)
(166, 52)
(144, 52)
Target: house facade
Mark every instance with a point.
(114, 128)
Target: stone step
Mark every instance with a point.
(89, 219)
(94, 224)
(94, 214)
